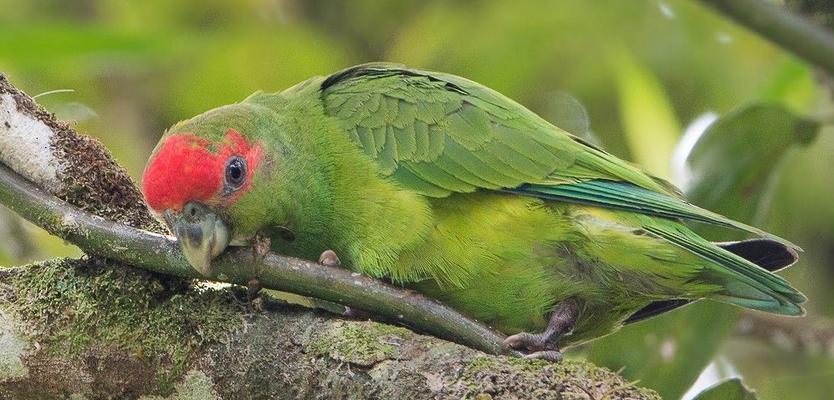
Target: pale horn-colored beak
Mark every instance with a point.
(202, 235)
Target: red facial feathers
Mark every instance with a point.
(191, 168)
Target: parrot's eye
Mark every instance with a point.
(235, 172)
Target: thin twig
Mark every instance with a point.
(794, 33)
(159, 253)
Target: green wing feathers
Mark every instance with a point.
(439, 134)
(458, 136)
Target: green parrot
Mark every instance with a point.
(439, 184)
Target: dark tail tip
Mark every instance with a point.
(768, 254)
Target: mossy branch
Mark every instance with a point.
(792, 32)
(159, 253)
(97, 329)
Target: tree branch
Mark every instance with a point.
(79, 329)
(791, 32)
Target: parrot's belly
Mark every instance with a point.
(509, 260)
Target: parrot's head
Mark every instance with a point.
(199, 176)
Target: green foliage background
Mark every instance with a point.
(629, 75)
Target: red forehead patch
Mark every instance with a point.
(189, 168)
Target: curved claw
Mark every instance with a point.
(329, 258)
(545, 345)
(528, 342)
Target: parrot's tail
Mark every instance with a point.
(738, 280)
(768, 254)
(761, 295)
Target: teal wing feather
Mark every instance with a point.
(629, 197)
(439, 134)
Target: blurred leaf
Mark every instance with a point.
(793, 85)
(731, 389)
(730, 168)
(73, 111)
(651, 126)
(733, 164)
(36, 46)
(785, 370)
(667, 353)
(231, 67)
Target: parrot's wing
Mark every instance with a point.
(439, 134)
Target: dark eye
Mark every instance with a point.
(235, 172)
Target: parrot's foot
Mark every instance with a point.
(260, 248)
(253, 293)
(261, 245)
(545, 345)
(328, 258)
(253, 288)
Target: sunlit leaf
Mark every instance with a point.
(651, 127)
(731, 389)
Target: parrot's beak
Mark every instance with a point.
(202, 235)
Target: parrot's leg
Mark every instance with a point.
(260, 247)
(253, 287)
(545, 345)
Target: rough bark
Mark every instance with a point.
(103, 330)
(95, 328)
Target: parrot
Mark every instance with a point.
(441, 185)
